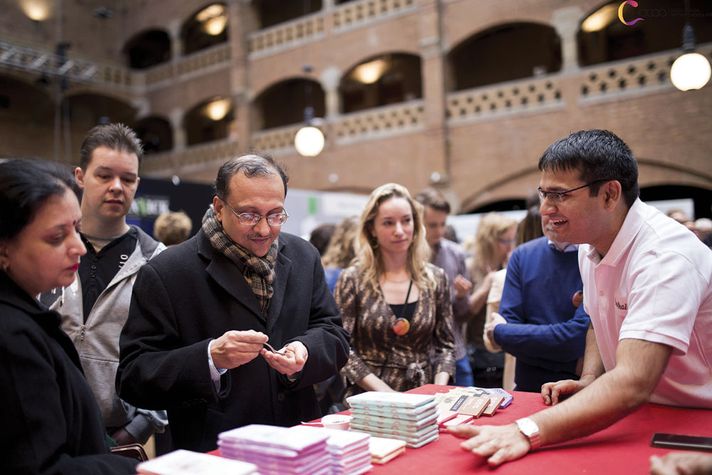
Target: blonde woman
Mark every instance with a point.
(341, 250)
(394, 302)
(494, 241)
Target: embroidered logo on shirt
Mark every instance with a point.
(621, 306)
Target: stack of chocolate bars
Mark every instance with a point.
(349, 451)
(278, 450)
(408, 417)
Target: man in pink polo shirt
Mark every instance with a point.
(647, 288)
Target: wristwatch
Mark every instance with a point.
(530, 430)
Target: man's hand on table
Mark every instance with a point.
(554, 393)
(681, 463)
(498, 444)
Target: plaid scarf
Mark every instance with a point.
(258, 271)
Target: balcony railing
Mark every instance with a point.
(504, 98)
(36, 59)
(631, 76)
(201, 61)
(380, 122)
(210, 152)
(354, 14)
(279, 140)
(286, 35)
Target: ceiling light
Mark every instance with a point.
(217, 109)
(691, 70)
(209, 12)
(36, 10)
(600, 19)
(215, 26)
(309, 141)
(369, 73)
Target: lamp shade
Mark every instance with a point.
(690, 71)
(309, 141)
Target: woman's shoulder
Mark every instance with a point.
(352, 272)
(435, 272)
(18, 328)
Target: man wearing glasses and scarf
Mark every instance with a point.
(235, 325)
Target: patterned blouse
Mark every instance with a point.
(402, 362)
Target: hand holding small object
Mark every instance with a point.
(288, 360)
(235, 348)
(270, 348)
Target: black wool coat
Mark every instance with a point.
(50, 421)
(190, 294)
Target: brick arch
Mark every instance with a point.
(147, 48)
(268, 108)
(519, 184)
(523, 183)
(477, 59)
(396, 77)
(459, 37)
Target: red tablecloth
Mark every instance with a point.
(623, 448)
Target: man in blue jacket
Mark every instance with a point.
(541, 320)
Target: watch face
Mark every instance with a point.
(528, 427)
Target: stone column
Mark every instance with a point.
(329, 80)
(240, 24)
(566, 22)
(176, 42)
(433, 77)
(176, 119)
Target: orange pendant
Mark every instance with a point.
(401, 326)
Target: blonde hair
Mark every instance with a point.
(342, 247)
(489, 230)
(368, 251)
(172, 227)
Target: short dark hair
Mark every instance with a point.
(597, 155)
(25, 186)
(112, 136)
(434, 199)
(251, 165)
(320, 237)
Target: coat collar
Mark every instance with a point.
(229, 276)
(12, 295)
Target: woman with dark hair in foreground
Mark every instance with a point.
(51, 423)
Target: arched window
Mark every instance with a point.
(284, 102)
(381, 80)
(155, 133)
(273, 12)
(206, 28)
(208, 121)
(504, 53)
(147, 49)
(89, 109)
(602, 37)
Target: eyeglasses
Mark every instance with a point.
(506, 241)
(252, 219)
(559, 196)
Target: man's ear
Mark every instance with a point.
(79, 177)
(612, 192)
(218, 206)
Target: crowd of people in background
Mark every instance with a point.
(240, 323)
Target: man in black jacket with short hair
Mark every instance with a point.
(203, 311)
